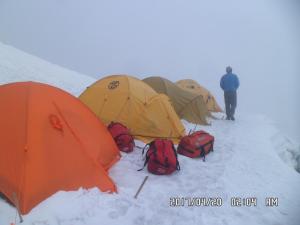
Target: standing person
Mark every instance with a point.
(230, 83)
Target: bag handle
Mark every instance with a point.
(147, 156)
(202, 154)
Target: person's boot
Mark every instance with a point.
(232, 118)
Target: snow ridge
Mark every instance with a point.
(287, 150)
(16, 65)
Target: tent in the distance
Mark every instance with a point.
(125, 99)
(194, 87)
(188, 106)
(50, 141)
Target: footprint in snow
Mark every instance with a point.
(120, 209)
(40, 223)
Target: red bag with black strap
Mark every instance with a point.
(197, 144)
(161, 157)
(122, 137)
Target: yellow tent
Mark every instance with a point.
(125, 99)
(193, 86)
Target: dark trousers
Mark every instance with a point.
(230, 103)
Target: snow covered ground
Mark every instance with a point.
(245, 163)
(16, 65)
(286, 149)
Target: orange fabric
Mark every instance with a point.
(50, 141)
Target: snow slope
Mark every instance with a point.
(287, 150)
(245, 163)
(16, 65)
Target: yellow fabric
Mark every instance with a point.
(194, 87)
(127, 100)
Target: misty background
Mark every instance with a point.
(175, 39)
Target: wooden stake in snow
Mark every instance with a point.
(140, 188)
(16, 202)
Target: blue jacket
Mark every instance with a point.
(229, 82)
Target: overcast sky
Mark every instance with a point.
(176, 39)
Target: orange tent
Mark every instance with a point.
(50, 141)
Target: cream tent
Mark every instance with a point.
(188, 106)
(194, 87)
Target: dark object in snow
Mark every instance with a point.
(140, 188)
(16, 201)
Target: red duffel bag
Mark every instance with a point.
(122, 137)
(197, 144)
